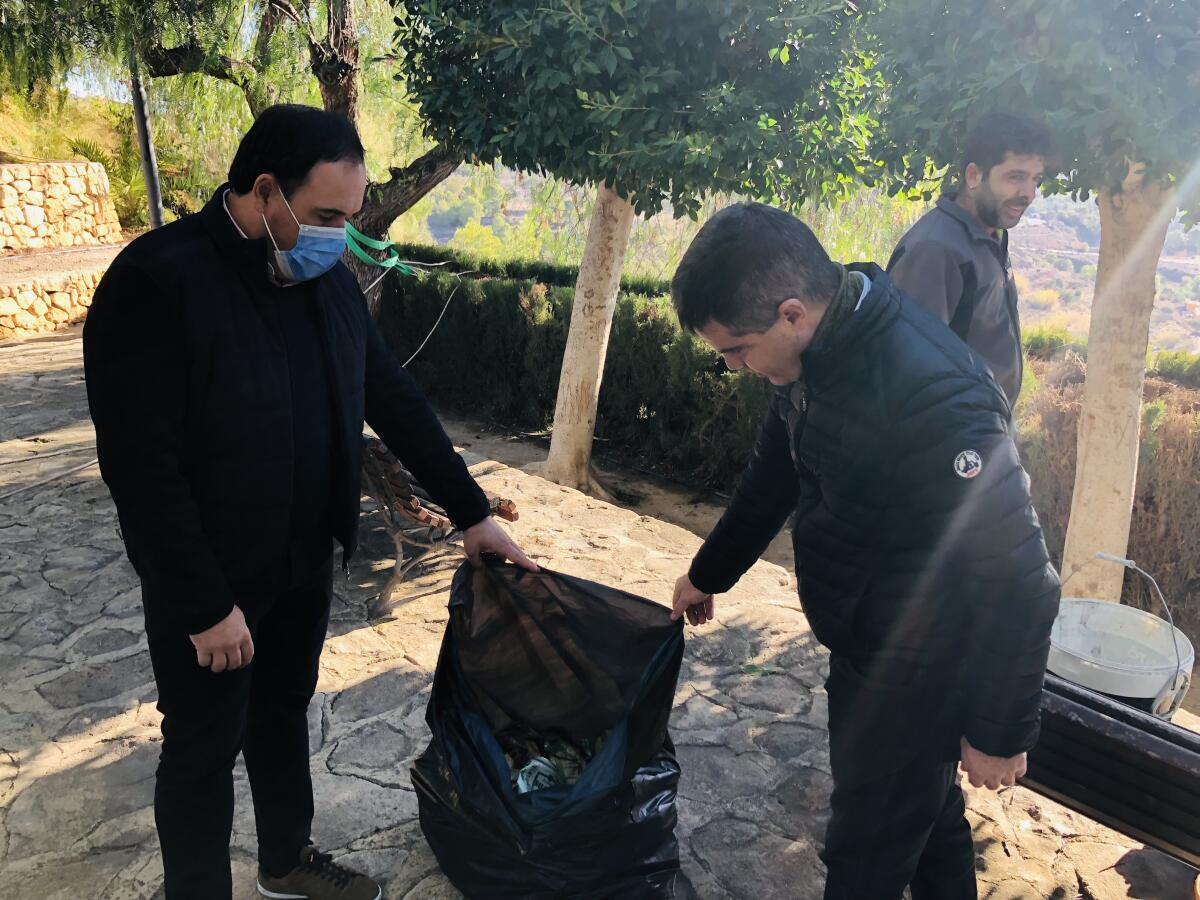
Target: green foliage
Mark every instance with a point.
(1178, 366)
(126, 182)
(667, 401)
(33, 133)
(477, 237)
(1049, 341)
(663, 101)
(551, 274)
(866, 226)
(40, 40)
(93, 152)
(1116, 80)
(181, 202)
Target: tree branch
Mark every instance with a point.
(163, 62)
(262, 41)
(285, 7)
(385, 201)
(193, 59)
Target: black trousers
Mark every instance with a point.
(897, 812)
(261, 711)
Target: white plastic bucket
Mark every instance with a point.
(1124, 652)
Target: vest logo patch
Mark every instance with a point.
(968, 464)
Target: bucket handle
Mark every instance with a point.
(1172, 695)
(1181, 680)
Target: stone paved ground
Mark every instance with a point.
(78, 727)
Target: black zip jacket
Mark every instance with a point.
(189, 389)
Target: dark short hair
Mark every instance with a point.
(745, 261)
(287, 140)
(997, 134)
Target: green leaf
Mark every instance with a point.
(608, 59)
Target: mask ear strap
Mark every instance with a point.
(289, 207)
(271, 236)
(263, 216)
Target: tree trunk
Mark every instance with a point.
(335, 61)
(145, 144)
(1133, 228)
(587, 342)
(386, 201)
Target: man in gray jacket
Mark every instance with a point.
(954, 260)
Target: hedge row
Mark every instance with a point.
(550, 274)
(667, 402)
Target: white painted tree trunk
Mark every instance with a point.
(1133, 228)
(587, 342)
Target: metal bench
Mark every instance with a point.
(1135, 773)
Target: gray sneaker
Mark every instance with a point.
(318, 877)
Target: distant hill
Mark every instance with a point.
(1054, 252)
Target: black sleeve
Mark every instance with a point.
(766, 495)
(405, 421)
(963, 482)
(135, 366)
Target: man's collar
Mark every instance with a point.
(225, 203)
(866, 289)
(948, 204)
(249, 254)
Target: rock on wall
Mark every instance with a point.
(30, 307)
(45, 205)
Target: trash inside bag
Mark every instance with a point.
(537, 761)
(550, 773)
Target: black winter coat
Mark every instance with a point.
(188, 385)
(917, 547)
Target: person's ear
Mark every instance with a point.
(264, 187)
(972, 177)
(793, 311)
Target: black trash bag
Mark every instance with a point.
(561, 654)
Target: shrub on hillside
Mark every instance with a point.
(1163, 537)
(1178, 366)
(1050, 340)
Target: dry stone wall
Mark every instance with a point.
(56, 204)
(46, 303)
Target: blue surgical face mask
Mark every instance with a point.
(317, 250)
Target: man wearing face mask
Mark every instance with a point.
(231, 362)
(954, 260)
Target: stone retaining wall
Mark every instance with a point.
(31, 307)
(57, 204)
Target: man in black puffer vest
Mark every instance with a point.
(231, 362)
(920, 560)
